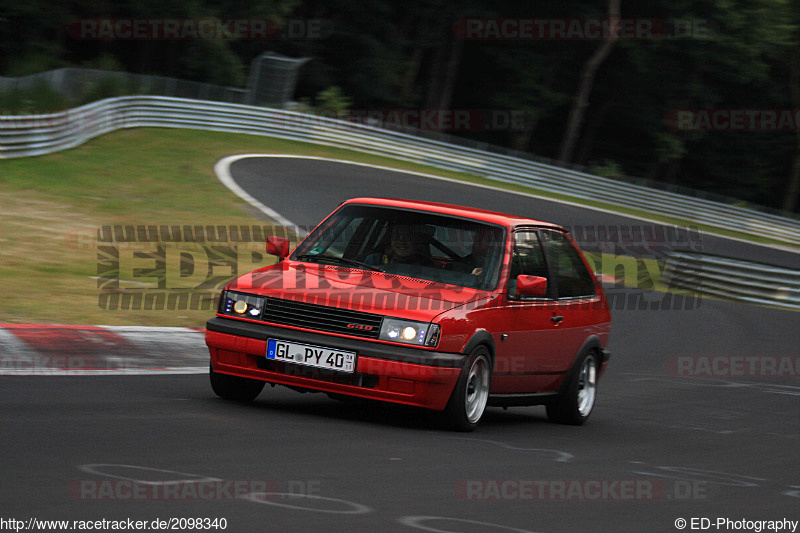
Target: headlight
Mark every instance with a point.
(409, 332)
(240, 304)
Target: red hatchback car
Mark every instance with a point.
(443, 307)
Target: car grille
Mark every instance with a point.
(322, 318)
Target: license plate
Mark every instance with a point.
(310, 355)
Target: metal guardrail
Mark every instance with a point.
(73, 83)
(733, 279)
(31, 135)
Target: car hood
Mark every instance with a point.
(356, 289)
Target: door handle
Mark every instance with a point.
(557, 319)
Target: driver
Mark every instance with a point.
(404, 247)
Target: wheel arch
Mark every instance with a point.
(591, 344)
(479, 337)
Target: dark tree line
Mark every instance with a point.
(609, 104)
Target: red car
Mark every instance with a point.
(443, 307)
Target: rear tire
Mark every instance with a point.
(575, 404)
(467, 404)
(234, 387)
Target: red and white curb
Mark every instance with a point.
(62, 350)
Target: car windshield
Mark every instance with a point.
(418, 244)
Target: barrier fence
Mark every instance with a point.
(77, 83)
(32, 135)
(734, 279)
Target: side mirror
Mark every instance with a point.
(534, 286)
(278, 246)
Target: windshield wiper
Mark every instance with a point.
(351, 262)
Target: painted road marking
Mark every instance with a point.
(274, 498)
(418, 521)
(561, 456)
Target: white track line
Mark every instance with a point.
(222, 169)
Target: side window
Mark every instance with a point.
(572, 277)
(527, 259)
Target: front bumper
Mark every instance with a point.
(384, 372)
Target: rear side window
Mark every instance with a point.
(572, 277)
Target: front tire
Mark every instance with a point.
(234, 387)
(574, 405)
(468, 402)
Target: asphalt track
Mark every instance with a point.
(660, 445)
(305, 190)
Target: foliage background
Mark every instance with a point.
(395, 55)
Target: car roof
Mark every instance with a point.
(455, 210)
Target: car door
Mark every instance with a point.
(579, 309)
(528, 353)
